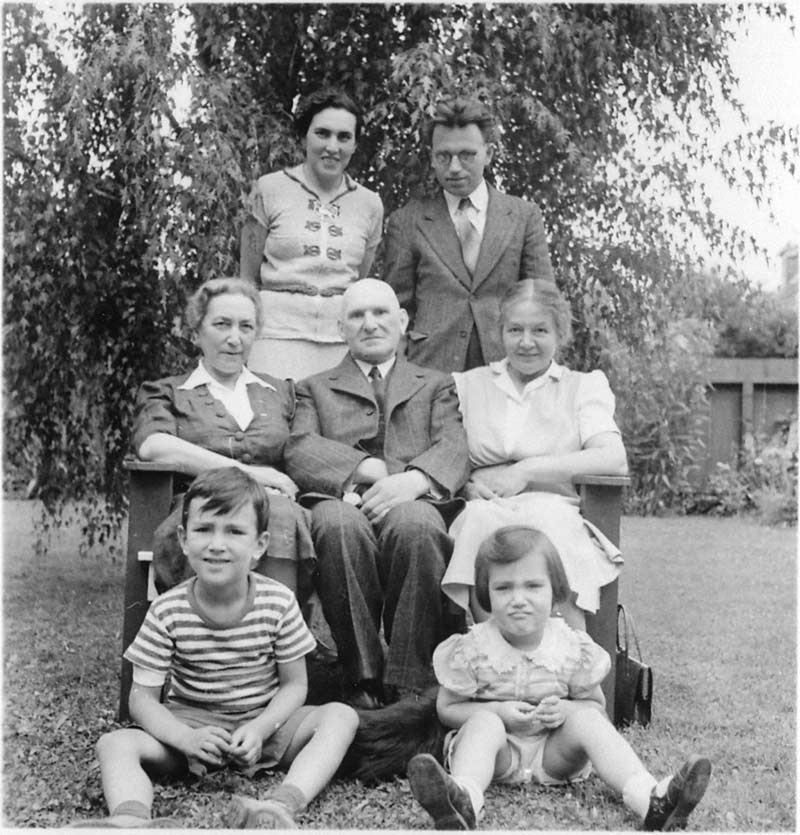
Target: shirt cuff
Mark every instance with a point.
(435, 492)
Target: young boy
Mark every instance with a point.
(234, 644)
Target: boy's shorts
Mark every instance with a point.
(526, 760)
(272, 750)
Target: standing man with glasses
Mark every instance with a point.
(451, 259)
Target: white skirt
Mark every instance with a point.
(590, 559)
(294, 358)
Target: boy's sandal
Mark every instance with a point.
(247, 813)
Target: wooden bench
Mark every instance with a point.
(151, 491)
(601, 504)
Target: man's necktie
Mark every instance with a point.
(467, 234)
(379, 388)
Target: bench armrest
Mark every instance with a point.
(602, 480)
(601, 504)
(136, 465)
(601, 501)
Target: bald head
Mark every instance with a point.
(372, 321)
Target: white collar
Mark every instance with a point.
(479, 198)
(383, 367)
(559, 644)
(503, 378)
(201, 377)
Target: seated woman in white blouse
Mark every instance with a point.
(531, 426)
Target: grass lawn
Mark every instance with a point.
(715, 607)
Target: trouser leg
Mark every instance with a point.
(349, 586)
(414, 548)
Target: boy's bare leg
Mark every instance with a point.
(313, 756)
(318, 747)
(126, 756)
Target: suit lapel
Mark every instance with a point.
(259, 399)
(438, 230)
(499, 228)
(347, 378)
(404, 382)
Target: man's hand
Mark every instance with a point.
(246, 744)
(369, 471)
(392, 490)
(208, 744)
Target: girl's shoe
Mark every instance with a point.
(439, 795)
(684, 791)
(246, 813)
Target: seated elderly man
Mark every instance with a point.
(378, 444)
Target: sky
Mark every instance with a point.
(767, 61)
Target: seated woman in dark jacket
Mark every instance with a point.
(220, 414)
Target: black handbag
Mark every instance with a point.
(633, 694)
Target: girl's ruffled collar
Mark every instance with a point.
(560, 646)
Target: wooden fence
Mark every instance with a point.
(748, 398)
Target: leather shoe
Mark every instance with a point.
(365, 695)
(684, 791)
(439, 795)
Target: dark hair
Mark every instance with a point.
(320, 100)
(458, 113)
(512, 543)
(223, 491)
(547, 295)
(197, 306)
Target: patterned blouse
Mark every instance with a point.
(312, 253)
(481, 665)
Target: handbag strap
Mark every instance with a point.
(628, 629)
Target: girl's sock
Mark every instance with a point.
(473, 789)
(289, 796)
(132, 809)
(636, 793)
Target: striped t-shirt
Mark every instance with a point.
(228, 669)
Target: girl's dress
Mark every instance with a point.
(313, 252)
(482, 666)
(556, 413)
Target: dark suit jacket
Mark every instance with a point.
(336, 411)
(423, 264)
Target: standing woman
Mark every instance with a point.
(313, 231)
(532, 425)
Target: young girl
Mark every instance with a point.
(523, 690)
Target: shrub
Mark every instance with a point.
(749, 321)
(764, 482)
(661, 410)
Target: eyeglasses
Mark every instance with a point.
(445, 157)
